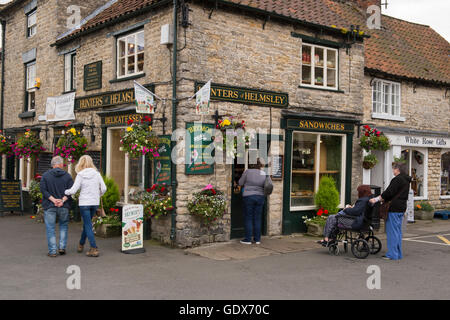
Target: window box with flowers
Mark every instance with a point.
(209, 205)
(423, 211)
(316, 224)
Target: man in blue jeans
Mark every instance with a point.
(55, 204)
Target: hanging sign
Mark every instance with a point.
(202, 99)
(163, 164)
(60, 108)
(199, 139)
(145, 100)
(132, 227)
(11, 195)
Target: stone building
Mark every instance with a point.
(296, 69)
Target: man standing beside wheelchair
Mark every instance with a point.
(394, 200)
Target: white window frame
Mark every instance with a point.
(70, 79)
(31, 25)
(444, 151)
(118, 57)
(424, 151)
(378, 112)
(317, 168)
(325, 67)
(29, 84)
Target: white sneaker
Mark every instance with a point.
(257, 242)
(245, 242)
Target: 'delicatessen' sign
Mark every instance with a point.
(11, 195)
(246, 96)
(121, 119)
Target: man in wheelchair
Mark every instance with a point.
(352, 217)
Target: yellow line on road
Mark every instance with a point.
(444, 239)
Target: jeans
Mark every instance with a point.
(87, 213)
(394, 235)
(253, 206)
(50, 226)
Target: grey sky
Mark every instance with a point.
(433, 13)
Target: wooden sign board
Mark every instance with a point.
(93, 76)
(11, 196)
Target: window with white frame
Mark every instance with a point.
(30, 86)
(386, 99)
(70, 82)
(31, 23)
(130, 54)
(314, 156)
(319, 67)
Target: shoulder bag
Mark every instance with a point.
(384, 208)
(268, 186)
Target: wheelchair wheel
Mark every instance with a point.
(333, 250)
(360, 249)
(374, 244)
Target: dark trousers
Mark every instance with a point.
(253, 206)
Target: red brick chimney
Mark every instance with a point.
(364, 4)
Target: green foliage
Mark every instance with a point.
(372, 139)
(112, 194)
(208, 204)
(370, 161)
(319, 220)
(35, 191)
(399, 160)
(71, 145)
(139, 140)
(327, 197)
(424, 206)
(156, 201)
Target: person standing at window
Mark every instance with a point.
(397, 193)
(253, 181)
(92, 187)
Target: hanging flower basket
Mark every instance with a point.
(156, 201)
(5, 144)
(28, 146)
(209, 205)
(370, 161)
(373, 139)
(72, 145)
(139, 139)
(229, 127)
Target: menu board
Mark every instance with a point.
(277, 167)
(11, 195)
(200, 139)
(163, 164)
(132, 227)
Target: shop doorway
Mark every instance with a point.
(237, 204)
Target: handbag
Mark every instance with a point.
(384, 208)
(268, 186)
(100, 211)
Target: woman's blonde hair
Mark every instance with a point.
(84, 163)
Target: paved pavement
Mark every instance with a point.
(282, 268)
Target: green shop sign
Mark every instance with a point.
(246, 96)
(93, 76)
(163, 164)
(319, 125)
(198, 142)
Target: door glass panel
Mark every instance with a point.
(331, 158)
(136, 173)
(117, 160)
(417, 173)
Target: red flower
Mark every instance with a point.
(112, 209)
(213, 191)
(117, 210)
(148, 190)
(326, 211)
(320, 212)
(130, 121)
(163, 189)
(153, 187)
(67, 124)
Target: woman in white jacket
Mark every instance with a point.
(92, 188)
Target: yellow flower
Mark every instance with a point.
(226, 122)
(150, 128)
(129, 129)
(73, 131)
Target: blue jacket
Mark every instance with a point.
(53, 183)
(358, 211)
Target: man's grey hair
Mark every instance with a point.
(56, 161)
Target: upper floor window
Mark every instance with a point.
(130, 54)
(386, 100)
(70, 82)
(319, 67)
(30, 86)
(31, 23)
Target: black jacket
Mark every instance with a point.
(53, 183)
(358, 211)
(400, 183)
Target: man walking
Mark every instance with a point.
(53, 184)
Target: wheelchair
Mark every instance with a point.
(363, 242)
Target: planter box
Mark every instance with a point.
(423, 215)
(315, 230)
(108, 231)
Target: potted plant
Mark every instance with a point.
(209, 205)
(108, 226)
(316, 224)
(373, 139)
(423, 211)
(327, 197)
(370, 161)
(71, 145)
(139, 140)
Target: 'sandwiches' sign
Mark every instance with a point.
(247, 96)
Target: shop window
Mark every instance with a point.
(30, 97)
(31, 24)
(70, 83)
(386, 100)
(416, 161)
(133, 173)
(130, 54)
(445, 174)
(313, 156)
(319, 67)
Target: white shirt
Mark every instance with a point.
(92, 187)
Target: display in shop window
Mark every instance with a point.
(445, 174)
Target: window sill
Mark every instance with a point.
(388, 117)
(26, 115)
(71, 91)
(321, 89)
(137, 76)
(444, 197)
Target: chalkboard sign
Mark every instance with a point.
(93, 76)
(11, 195)
(200, 139)
(277, 167)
